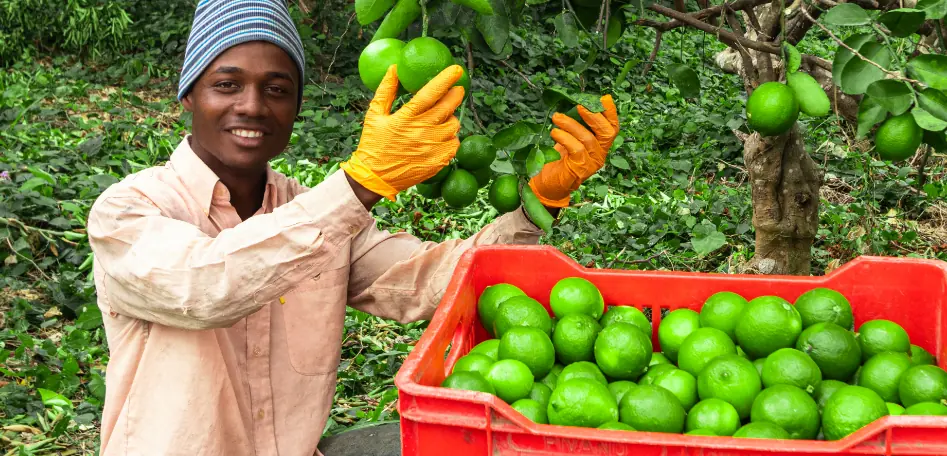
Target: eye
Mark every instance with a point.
(225, 85)
(277, 89)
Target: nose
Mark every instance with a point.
(251, 102)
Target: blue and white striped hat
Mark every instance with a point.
(221, 24)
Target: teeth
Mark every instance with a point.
(247, 133)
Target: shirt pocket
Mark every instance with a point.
(314, 317)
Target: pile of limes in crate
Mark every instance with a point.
(763, 368)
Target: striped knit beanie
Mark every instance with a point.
(221, 24)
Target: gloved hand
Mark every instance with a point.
(582, 153)
(410, 146)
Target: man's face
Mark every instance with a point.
(243, 106)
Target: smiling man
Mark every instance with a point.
(223, 284)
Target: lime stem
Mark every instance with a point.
(423, 17)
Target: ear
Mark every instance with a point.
(186, 101)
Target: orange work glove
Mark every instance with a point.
(582, 153)
(410, 146)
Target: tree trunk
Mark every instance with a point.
(785, 190)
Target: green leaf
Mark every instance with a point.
(792, 57)
(480, 6)
(902, 22)
(933, 101)
(936, 139)
(846, 14)
(42, 174)
(535, 162)
(843, 55)
(619, 162)
(705, 238)
(53, 399)
(590, 101)
(32, 183)
(557, 98)
(869, 114)
(368, 11)
(444, 15)
(685, 79)
(495, 28)
(516, 136)
(859, 74)
(934, 9)
(566, 29)
(96, 387)
(895, 96)
(927, 121)
(930, 69)
(624, 71)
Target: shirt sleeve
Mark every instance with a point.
(399, 277)
(160, 269)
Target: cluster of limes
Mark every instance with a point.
(764, 368)
(773, 107)
(418, 62)
(457, 183)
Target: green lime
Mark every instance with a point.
(532, 410)
(489, 347)
(850, 409)
(703, 432)
(476, 152)
(574, 338)
(504, 193)
(825, 390)
(616, 426)
(582, 369)
(680, 383)
(422, 59)
(653, 372)
(469, 381)
(674, 328)
(483, 176)
(550, 380)
(658, 358)
(921, 356)
(896, 409)
(772, 109)
(790, 408)
(768, 324)
(742, 353)
(721, 311)
(521, 311)
(511, 379)
(824, 305)
(573, 295)
(440, 176)
(531, 346)
(618, 388)
(761, 430)
(882, 374)
(651, 408)
(473, 362)
(788, 366)
(922, 383)
(926, 408)
(714, 414)
(459, 189)
(833, 348)
(375, 59)
(732, 379)
(429, 191)
(703, 346)
(622, 351)
(464, 80)
(809, 93)
(582, 402)
(898, 137)
(491, 298)
(877, 336)
(627, 314)
(540, 393)
(758, 364)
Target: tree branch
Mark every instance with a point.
(520, 73)
(719, 32)
(704, 14)
(473, 107)
(654, 54)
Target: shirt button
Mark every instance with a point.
(257, 351)
(260, 414)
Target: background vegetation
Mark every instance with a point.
(87, 97)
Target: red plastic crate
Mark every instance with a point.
(442, 422)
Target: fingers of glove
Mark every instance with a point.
(574, 148)
(386, 93)
(611, 112)
(446, 106)
(577, 131)
(597, 122)
(433, 91)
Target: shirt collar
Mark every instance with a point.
(204, 184)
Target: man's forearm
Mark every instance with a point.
(367, 197)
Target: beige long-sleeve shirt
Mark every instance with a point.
(225, 335)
